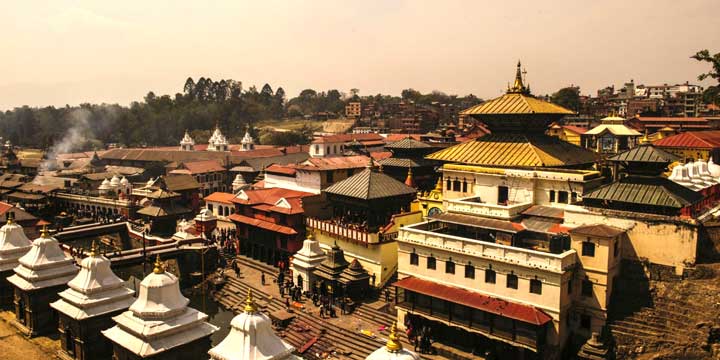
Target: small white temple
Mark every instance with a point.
(95, 293)
(217, 141)
(393, 350)
(160, 322)
(43, 272)
(251, 337)
(13, 244)
(247, 141)
(305, 261)
(187, 143)
(238, 183)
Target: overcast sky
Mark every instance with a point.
(68, 52)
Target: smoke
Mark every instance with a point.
(74, 139)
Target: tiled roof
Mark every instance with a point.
(481, 222)
(516, 150)
(280, 169)
(220, 197)
(368, 185)
(645, 190)
(398, 137)
(516, 103)
(379, 155)
(202, 167)
(645, 153)
(334, 163)
(521, 312)
(405, 163)
(407, 143)
(181, 182)
(575, 129)
(670, 119)
(348, 138)
(691, 139)
(600, 230)
(268, 196)
(160, 211)
(262, 224)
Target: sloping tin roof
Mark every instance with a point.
(369, 185)
(692, 139)
(646, 190)
(645, 153)
(405, 163)
(516, 103)
(407, 143)
(525, 313)
(516, 150)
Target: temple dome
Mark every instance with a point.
(44, 265)
(713, 168)
(124, 181)
(159, 296)
(251, 337)
(13, 244)
(105, 185)
(393, 350)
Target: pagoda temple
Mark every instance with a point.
(305, 261)
(159, 324)
(408, 155)
(163, 211)
(393, 350)
(86, 308)
(329, 271)
(43, 272)
(13, 245)
(251, 337)
(517, 121)
(355, 280)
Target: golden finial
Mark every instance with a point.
(393, 345)
(518, 86)
(158, 269)
(93, 249)
(438, 185)
(44, 232)
(310, 234)
(10, 217)
(249, 303)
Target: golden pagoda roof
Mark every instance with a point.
(516, 103)
(516, 150)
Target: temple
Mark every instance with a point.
(252, 337)
(94, 296)
(159, 324)
(13, 245)
(43, 272)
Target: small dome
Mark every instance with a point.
(115, 181)
(95, 274)
(13, 244)
(44, 265)
(159, 295)
(205, 215)
(105, 185)
(124, 181)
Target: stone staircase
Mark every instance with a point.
(671, 319)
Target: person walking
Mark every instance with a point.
(387, 295)
(322, 311)
(262, 279)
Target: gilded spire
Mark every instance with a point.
(158, 269)
(10, 217)
(250, 306)
(44, 233)
(93, 249)
(438, 185)
(393, 344)
(409, 179)
(518, 86)
(310, 234)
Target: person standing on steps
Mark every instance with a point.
(262, 279)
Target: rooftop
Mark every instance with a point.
(369, 185)
(691, 139)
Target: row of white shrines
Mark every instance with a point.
(99, 318)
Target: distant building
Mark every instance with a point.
(210, 174)
(187, 143)
(353, 110)
(692, 145)
(217, 141)
(334, 145)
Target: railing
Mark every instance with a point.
(486, 209)
(342, 232)
(508, 254)
(94, 200)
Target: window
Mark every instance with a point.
(588, 249)
(464, 186)
(448, 184)
(456, 185)
(414, 259)
(317, 149)
(585, 321)
(552, 195)
(449, 267)
(569, 286)
(330, 176)
(512, 281)
(327, 150)
(503, 195)
(563, 197)
(587, 288)
(431, 262)
(536, 286)
(616, 249)
(469, 271)
(573, 197)
(490, 276)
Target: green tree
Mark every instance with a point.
(568, 97)
(712, 93)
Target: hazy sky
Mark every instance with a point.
(67, 52)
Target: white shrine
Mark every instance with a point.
(393, 350)
(13, 244)
(217, 141)
(305, 261)
(251, 337)
(247, 141)
(238, 183)
(87, 306)
(159, 324)
(187, 143)
(43, 272)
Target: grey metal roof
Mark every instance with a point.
(477, 221)
(646, 190)
(545, 211)
(403, 162)
(407, 143)
(645, 153)
(369, 185)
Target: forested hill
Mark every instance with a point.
(162, 120)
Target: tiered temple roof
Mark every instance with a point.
(368, 185)
(96, 290)
(160, 318)
(45, 265)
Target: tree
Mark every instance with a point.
(189, 87)
(712, 93)
(568, 97)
